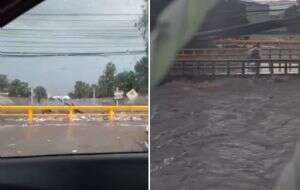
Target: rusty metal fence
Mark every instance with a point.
(238, 53)
(196, 67)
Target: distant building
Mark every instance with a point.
(260, 16)
(280, 5)
(60, 98)
(277, 5)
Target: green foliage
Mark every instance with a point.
(141, 72)
(81, 90)
(141, 67)
(143, 23)
(126, 81)
(3, 82)
(106, 81)
(18, 88)
(109, 81)
(292, 12)
(40, 93)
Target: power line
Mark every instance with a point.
(46, 35)
(84, 14)
(66, 29)
(68, 47)
(61, 42)
(95, 37)
(67, 54)
(86, 28)
(77, 20)
(62, 30)
(123, 38)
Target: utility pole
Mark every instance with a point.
(94, 95)
(31, 95)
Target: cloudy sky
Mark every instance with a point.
(68, 26)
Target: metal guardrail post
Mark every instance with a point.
(228, 67)
(280, 54)
(71, 115)
(243, 68)
(262, 66)
(285, 68)
(213, 70)
(271, 67)
(111, 115)
(257, 64)
(30, 116)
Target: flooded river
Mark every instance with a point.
(223, 134)
(18, 138)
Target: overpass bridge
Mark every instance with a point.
(234, 61)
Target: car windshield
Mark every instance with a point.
(74, 79)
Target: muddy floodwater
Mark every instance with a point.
(18, 138)
(223, 134)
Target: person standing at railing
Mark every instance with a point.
(254, 54)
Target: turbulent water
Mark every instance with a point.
(223, 134)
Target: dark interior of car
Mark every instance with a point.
(93, 171)
(9, 10)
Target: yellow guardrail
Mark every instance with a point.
(31, 111)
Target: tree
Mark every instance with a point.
(141, 67)
(292, 12)
(18, 88)
(106, 81)
(40, 93)
(81, 90)
(126, 81)
(3, 82)
(143, 24)
(141, 72)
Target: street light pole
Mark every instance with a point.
(31, 95)
(94, 95)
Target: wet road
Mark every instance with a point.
(224, 134)
(21, 139)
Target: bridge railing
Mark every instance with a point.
(238, 53)
(260, 41)
(70, 111)
(194, 67)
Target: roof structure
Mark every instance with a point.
(9, 10)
